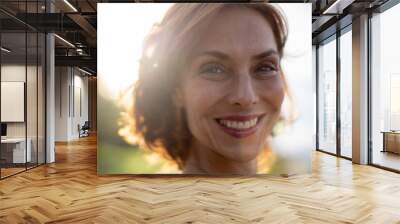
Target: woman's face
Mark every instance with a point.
(232, 87)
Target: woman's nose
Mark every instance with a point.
(243, 92)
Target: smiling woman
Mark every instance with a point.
(210, 86)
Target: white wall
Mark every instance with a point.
(80, 109)
(13, 73)
(33, 126)
(16, 73)
(62, 81)
(71, 94)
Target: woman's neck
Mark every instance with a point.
(203, 160)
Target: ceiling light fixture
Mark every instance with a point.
(337, 7)
(79, 51)
(84, 71)
(65, 41)
(70, 5)
(5, 50)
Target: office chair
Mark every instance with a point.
(84, 130)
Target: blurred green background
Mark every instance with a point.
(114, 155)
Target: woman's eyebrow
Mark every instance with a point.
(265, 54)
(213, 53)
(223, 56)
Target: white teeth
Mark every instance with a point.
(240, 125)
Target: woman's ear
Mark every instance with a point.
(178, 98)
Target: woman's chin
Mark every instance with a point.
(240, 153)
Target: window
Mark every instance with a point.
(327, 97)
(346, 94)
(385, 89)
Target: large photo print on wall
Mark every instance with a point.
(196, 88)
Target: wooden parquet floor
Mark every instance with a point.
(10, 171)
(69, 191)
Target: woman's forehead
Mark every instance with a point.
(236, 31)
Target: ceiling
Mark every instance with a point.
(76, 22)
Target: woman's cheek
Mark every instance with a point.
(273, 92)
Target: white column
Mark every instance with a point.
(314, 92)
(50, 93)
(360, 90)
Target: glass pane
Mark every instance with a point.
(346, 94)
(31, 86)
(386, 89)
(13, 86)
(41, 98)
(23, 89)
(31, 100)
(327, 96)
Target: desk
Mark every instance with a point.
(17, 150)
(391, 141)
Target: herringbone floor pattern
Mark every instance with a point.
(70, 191)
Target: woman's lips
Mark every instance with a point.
(239, 126)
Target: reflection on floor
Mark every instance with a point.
(387, 159)
(11, 169)
(347, 152)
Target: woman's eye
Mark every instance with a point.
(212, 68)
(213, 71)
(267, 70)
